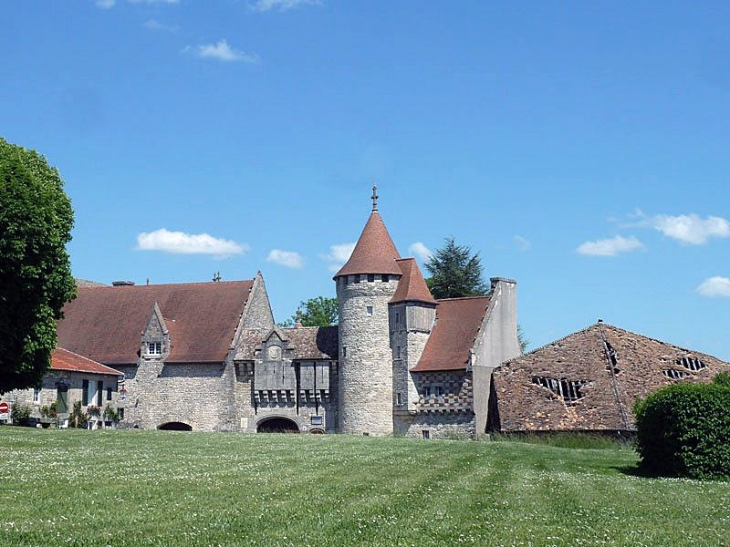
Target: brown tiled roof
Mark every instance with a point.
(582, 357)
(313, 342)
(458, 321)
(106, 323)
(62, 359)
(374, 253)
(411, 286)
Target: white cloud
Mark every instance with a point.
(181, 243)
(105, 4)
(421, 251)
(290, 259)
(522, 243)
(282, 5)
(715, 286)
(610, 247)
(691, 229)
(338, 255)
(222, 52)
(153, 24)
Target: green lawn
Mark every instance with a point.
(166, 488)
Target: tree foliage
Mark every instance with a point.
(455, 272)
(315, 312)
(35, 274)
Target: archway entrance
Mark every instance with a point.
(175, 426)
(277, 425)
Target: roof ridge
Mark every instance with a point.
(464, 298)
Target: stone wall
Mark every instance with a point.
(193, 394)
(436, 426)
(74, 383)
(366, 362)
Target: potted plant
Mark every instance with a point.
(111, 416)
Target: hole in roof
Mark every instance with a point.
(569, 390)
(691, 363)
(612, 364)
(674, 374)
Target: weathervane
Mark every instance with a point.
(375, 197)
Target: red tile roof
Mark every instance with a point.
(375, 252)
(458, 321)
(106, 323)
(411, 286)
(62, 359)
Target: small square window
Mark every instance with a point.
(371, 278)
(316, 420)
(154, 348)
(385, 278)
(357, 279)
(426, 434)
(370, 310)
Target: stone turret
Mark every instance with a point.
(365, 286)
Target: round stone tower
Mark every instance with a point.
(365, 285)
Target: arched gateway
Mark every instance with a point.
(175, 426)
(277, 425)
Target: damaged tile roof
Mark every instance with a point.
(458, 321)
(411, 287)
(106, 323)
(62, 359)
(591, 379)
(374, 253)
(306, 343)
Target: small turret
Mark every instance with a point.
(365, 286)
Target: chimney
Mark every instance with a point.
(122, 283)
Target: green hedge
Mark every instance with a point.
(684, 430)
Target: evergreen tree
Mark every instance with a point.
(455, 272)
(35, 273)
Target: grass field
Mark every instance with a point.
(166, 488)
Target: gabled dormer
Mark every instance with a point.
(156, 339)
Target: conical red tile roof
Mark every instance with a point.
(374, 253)
(411, 287)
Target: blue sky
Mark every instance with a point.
(580, 147)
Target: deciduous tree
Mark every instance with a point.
(35, 273)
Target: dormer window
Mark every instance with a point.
(154, 348)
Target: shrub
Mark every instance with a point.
(110, 414)
(682, 430)
(50, 411)
(77, 417)
(20, 414)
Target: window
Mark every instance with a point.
(154, 348)
(371, 278)
(357, 279)
(370, 310)
(426, 434)
(397, 352)
(397, 318)
(120, 411)
(99, 392)
(344, 352)
(385, 278)
(316, 420)
(427, 391)
(439, 391)
(85, 393)
(36, 396)
(108, 394)
(399, 398)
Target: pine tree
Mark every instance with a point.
(455, 272)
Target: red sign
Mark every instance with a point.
(4, 408)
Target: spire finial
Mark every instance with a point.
(375, 197)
